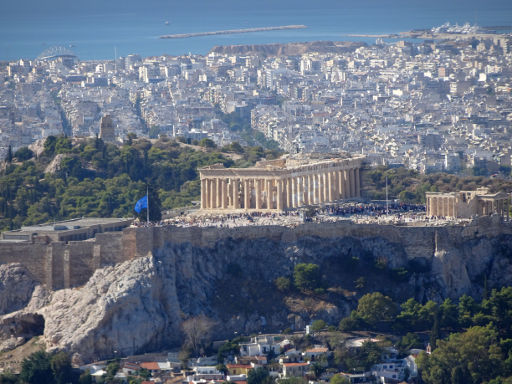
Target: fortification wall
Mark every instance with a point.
(418, 241)
(60, 265)
(63, 265)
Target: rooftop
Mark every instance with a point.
(74, 229)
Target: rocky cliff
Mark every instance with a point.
(228, 275)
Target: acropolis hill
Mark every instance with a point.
(122, 278)
(164, 271)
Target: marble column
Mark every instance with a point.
(279, 196)
(352, 183)
(311, 189)
(258, 193)
(270, 193)
(335, 185)
(341, 183)
(330, 187)
(218, 193)
(235, 193)
(211, 182)
(358, 183)
(346, 185)
(203, 193)
(325, 189)
(294, 192)
(224, 188)
(318, 190)
(247, 193)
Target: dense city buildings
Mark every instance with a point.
(281, 184)
(435, 105)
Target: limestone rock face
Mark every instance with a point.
(121, 310)
(139, 305)
(16, 287)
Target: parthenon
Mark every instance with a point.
(467, 204)
(282, 184)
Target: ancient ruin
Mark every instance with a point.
(279, 185)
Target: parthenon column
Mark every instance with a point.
(218, 193)
(346, 184)
(341, 183)
(335, 185)
(311, 189)
(203, 193)
(352, 183)
(224, 187)
(258, 193)
(279, 197)
(319, 191)
(211, 182)
(298, 191)
(269, 194)
(325, 188)
(305, 196)
(294, 192)
(358, 183)
(330, 186)
(289, 193)
(236, 194)
(247, 193)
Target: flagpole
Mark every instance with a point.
(147, 208)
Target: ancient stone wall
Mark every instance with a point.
(59, 265)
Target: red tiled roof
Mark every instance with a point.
(151, 365)
(295, 364)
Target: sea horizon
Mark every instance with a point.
(100, 31)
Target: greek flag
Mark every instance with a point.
(141, 204)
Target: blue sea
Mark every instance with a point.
(95, 29)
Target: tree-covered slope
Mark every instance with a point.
(87, 177)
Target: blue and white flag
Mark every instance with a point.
(141, 204)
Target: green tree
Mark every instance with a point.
(85, 378)
(283, 284)
(222, 368)
(339, 379)
(230, 348)
(375, 307)
(472, 356)
(36, 369)
(409, 341)
(449, 314)
(307, 277)
(8, 378)
(207, 143)
(466, 309)
(318, 325)
(258, 376)
(8, 157)
(60, 364)
(23, 154)
(498, 308)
